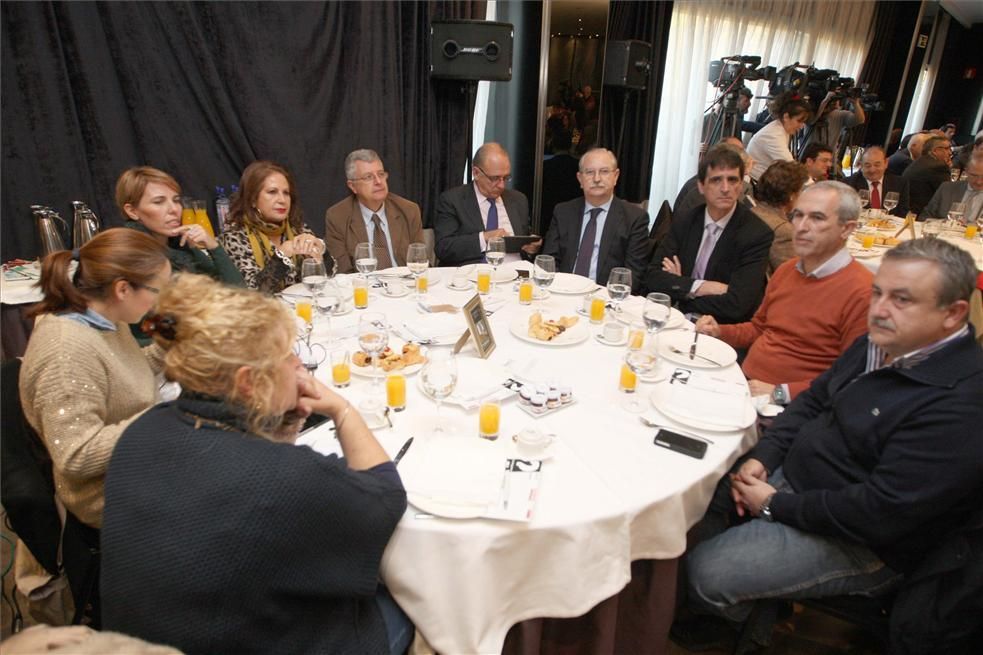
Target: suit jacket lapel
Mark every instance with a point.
(611, 226)
(573, 238)
(398, 231)
(356, 225)
(472, 211)
(519, 227)
(691, 247)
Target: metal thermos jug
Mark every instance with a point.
(86, 224)
(48, 231)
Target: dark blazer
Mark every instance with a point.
(925, 175)
(344, 229)
(899, 161)
(739, 260)
(891, 182)
(624, 241)
(947, 193)
(457, 222)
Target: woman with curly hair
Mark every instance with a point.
(268, 239)
(770, 144)
(776, 193)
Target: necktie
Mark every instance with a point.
(380, 245)
(706, 249)
(492, 223)
(875, 196)
(586, 252)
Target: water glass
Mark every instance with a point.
(313, 275)
(438, 377)
(365, 260)
(891, 199)
(418, 261)
(373, 337)
(656, 311)
(543, 271)
(637, 362)
(495, 254)
(956, 210)
(619, 286)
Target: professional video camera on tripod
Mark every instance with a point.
(723, 117)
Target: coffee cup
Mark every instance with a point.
(585, 308)
(533, 441)
(613, 331)
(394, 288)
(459, 281)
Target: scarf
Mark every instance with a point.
(259, 233)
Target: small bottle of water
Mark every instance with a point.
(221, 208)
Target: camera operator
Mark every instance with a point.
(832, 119)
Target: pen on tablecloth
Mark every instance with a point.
(402, 451)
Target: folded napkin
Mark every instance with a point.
(435, 326)
(453, 470)
(469, 393)
(711, 400)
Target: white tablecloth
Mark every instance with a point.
(873, 259)
(607, 497)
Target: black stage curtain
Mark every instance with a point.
(649, 22)
(202, 89)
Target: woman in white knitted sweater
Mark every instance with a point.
(84, 378)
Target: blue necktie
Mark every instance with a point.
(586, 252)
(492, 223)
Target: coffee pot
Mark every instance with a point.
(48, 231)
(86, 224)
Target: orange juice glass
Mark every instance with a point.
(525, 291)
(341, 370)
(484, 280)
(303, 308)
(597, 310)
(636, 338)
(201, 217)
(188, 215)
(971, 231)
(396, 392)
(422, 284)
(489, 420)
(361, 292)
(868, 240)
(628, 380)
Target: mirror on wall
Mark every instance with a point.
(571, 93)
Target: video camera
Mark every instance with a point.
(726, 71)
(814, 84)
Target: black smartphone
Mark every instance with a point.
(681, 443)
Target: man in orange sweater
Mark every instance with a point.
(815, 304)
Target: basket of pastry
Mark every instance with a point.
(407, 360)
(547, 330)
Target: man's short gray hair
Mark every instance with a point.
(598, 149)
(847, 200)
(956, 266)
(917, 141)
(362, 154)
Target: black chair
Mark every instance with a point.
(28, 495)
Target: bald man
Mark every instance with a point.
(879, 181)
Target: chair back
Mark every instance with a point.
(660, 227)
(429, 239)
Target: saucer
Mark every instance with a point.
(607, 342)
(465, 287)
(519, 451)
(399, 294)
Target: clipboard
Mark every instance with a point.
(478, 328)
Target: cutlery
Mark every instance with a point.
(402, 451)
(692, 348)
(416, 338)
(693, 354)
(654, 424)
(433, 309)
(385, 414)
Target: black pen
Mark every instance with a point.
(402, 451)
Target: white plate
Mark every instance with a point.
(476, 379)
(395, 271)
(401, 292)
(569, 283)
(620, 342)
(715, 349)
(501, 275)
(396, 345)
(468, 285)
(633, 315)
(572, 335)
(660, 400)
(445, 509)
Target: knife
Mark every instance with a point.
(402, 451)
(692, 348)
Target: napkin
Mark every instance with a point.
(469, 393)
(435, 326)
(710, 399)
(455, 471)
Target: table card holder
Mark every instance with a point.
(478, 328)
(909, 224)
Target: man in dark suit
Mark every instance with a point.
(714, 258)
(469, 215)
(968, 191)
(928, 172)
(874, 176)
(591, 235)
(371, 215)
(910, 150)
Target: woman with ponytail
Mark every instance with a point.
(268, 239)
(84, 378)
(790, 113)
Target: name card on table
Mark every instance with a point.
(478, 328)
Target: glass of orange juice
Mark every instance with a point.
(525, 291)
(867, 238)
(422, 284)
(304, 310)
(971, 230)
(360, 293)
(484, 280)
(341, 369)
(489, 419)
(636, 337)
(628, 379)
(188, 211)
(597, 305)
(396, 392)
(201, 216)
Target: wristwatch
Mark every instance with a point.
(766, 510)
(778, 396)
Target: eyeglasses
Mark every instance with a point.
(495, 179)
(603, 172)
(382, 176)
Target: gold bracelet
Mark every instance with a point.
(344, 415)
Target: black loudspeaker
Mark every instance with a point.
(627, 64)
(471, 50)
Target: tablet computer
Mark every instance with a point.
(514, 244)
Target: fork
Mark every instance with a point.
(703, 357)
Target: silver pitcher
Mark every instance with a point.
(86, 224)
(48, 230)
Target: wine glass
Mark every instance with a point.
(864, 197)
(956, 210)
(656, 311)
(619, 286)
(418, 261)
(313, 276)
(438, 378)
(373, 336)
(495, 254)
(543, 270)
(365, 260)
(327, 303)
(640, 361)
(891, 199)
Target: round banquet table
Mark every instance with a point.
(607, 497)
(872, 258)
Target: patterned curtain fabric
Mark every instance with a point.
(202, 89)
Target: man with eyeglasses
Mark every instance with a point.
(968, 191)
(927, 173)
(469, 215)
(591, 235)
(371, 215)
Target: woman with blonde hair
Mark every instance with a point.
(278, 546)
(268, 238)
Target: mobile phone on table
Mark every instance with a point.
(680, 443)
